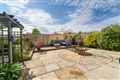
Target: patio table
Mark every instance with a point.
(80, 50)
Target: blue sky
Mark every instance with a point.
(62, 15)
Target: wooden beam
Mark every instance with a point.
(9, 17)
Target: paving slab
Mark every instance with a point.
(113, 65)
(104, 72)
(82, 68)
(37, 78)
(67, 65)
(33, 63)
(49, 76)
(64, 63)
(36, 71)
(48, 61)
(70, 72)
(36, 55)
(51, 67)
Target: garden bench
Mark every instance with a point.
(57, 45)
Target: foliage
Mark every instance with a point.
(15, 55)
(28, 44)
(16, 41)
(109, 38)
(10, 71)
(26, 50)
(35, 31)
(55, 33)
(90, 40)
(0, 26)
(75, 38)
(38, 45)
(25, 53)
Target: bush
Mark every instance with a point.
(26, 53)
(76, 38)
(28, 44)
(90, 40)
(109, 38)
(10, 71)
(38, 45)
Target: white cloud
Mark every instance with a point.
(87, 3)
(97, 26)
(79, 18)
(31, 18)
(15, 2)
(37, 18)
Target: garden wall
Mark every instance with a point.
(46, 38)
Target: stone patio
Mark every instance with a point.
(65, 64)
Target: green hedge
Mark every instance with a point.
(109, 38)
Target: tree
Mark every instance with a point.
(35, 31)
(90, 40)
(55, 33)
(109, 38)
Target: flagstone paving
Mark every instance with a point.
(65, 64)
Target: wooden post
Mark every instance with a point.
(21, 49)
(10, 42)
(2, 45)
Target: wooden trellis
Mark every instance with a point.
(7, 24)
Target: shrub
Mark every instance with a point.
(76, 38)
(73, 40)
(90, 40)
(109, 38)
(38, 45)
(10, 71)
(28, 44)
(26, 53)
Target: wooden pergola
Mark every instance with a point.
(7, 24)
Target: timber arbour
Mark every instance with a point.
(7, 36)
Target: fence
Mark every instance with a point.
(46, 38)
